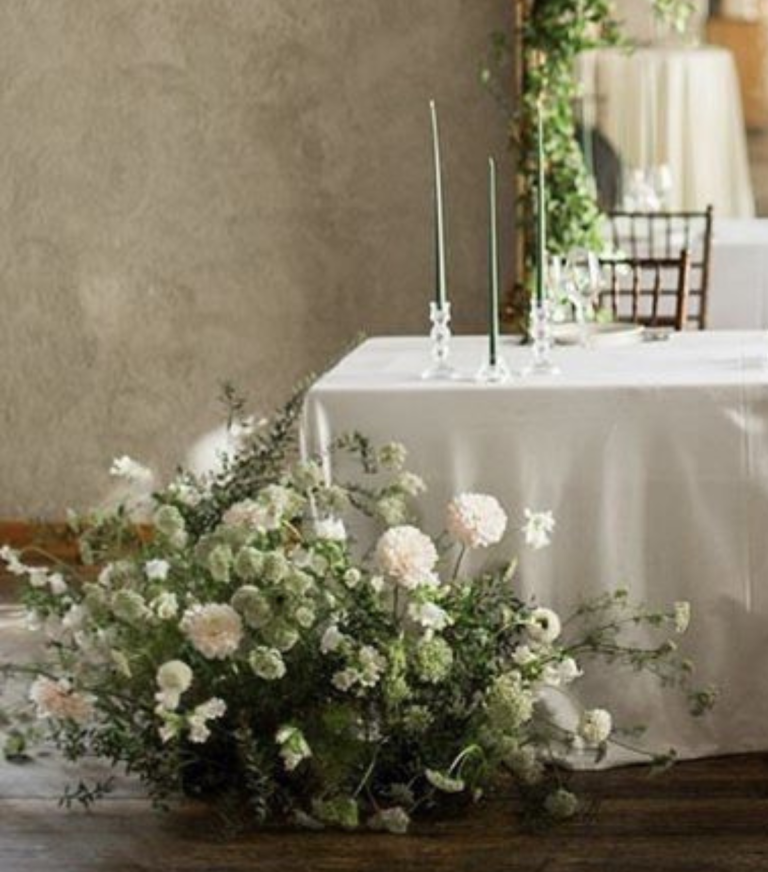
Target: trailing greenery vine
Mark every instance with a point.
(553, 34)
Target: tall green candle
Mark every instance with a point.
(493, 266)
(541, 208)
(441, 293)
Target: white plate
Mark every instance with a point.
(599, 334)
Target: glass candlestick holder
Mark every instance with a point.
(541, 335)
(440, 336)
(493, 372)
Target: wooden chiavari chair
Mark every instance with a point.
(653, 292)
(655, 235)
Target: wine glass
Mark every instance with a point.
(582, 281)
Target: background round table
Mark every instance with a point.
(675, 106)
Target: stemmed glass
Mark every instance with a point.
(582, 281)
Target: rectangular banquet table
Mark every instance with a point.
(654, 458)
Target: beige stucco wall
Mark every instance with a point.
(193, 190)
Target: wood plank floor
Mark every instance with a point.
(703, 816)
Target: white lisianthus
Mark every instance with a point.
(215, 630)
(331, 640)
(476, 520)
(131, 470)
(157, 570)
(198, 721)
(595, 726)
(682, 617)
(543, 626)
(12, 561)
(293, 746)
(429, 615)
(538, 529)
(37, 577)
(173, 678)
(165, 605)
(57, 699)
(332, 529)
(562, 673)
(408, 556)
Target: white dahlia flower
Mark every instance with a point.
(408, 556)
(476, 520)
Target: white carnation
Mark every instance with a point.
(595, 726)
(408, 556)
(198, 721)
(476, 520)
(57, 699)
(538, 529)
(544, 626)
(215, 630)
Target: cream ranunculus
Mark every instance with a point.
(407, 556)
(215, 630)
(476, 520)
(544, 626)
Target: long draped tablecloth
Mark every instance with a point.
(654, 458)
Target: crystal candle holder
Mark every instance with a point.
(440, 335)
(541, 334)
(494, 372)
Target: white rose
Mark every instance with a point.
(173, 678)
(216, 630)
(595, 726)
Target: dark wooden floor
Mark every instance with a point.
(704, 816)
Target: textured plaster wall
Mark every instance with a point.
(199, 189)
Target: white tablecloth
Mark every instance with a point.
(738, 297)
(655, 461)
(681, 107)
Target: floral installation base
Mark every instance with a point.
(246, 654)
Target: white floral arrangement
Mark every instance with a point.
(243, 653)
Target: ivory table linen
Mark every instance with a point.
(654, 459)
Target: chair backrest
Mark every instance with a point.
(660, 235)
(650, 291)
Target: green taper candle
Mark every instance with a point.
(541, 208)
(493, 266)
(441, 292)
